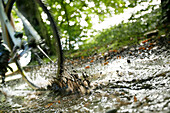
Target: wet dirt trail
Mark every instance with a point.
(132, 79)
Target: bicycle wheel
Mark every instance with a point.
(47, 50)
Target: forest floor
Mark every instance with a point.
(131, 79)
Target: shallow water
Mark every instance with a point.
(140, 86)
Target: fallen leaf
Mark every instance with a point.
(115, 51)
(145, 41)
(150, 44)
(59, 101)
(91, 61)
(150, 48)
(110, 51)
(135, 99)
(86, 104)
(87, 67)
(144, 48)
(48, 105)
(82, 57)
(106, 63)
(140, 48)
(118, 57)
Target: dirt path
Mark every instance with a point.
(133, 79)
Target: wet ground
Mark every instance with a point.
(132, 79)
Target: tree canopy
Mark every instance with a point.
(74, 16)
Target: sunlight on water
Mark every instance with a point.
(41, 81)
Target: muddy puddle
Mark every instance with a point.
(127, 84)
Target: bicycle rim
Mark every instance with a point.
(48, 52)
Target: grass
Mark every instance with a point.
(109, 39)
(116, 37)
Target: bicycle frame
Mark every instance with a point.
(13, 39)
(8, 28)
(17, 41)
(5, 22)
(9, 36)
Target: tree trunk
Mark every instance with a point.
(165, 5)
(68, 26)
(29, 8)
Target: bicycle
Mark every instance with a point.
(30, 40)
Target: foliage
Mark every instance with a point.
(74, 16)
(121, 35)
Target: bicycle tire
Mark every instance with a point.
(56, 38)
